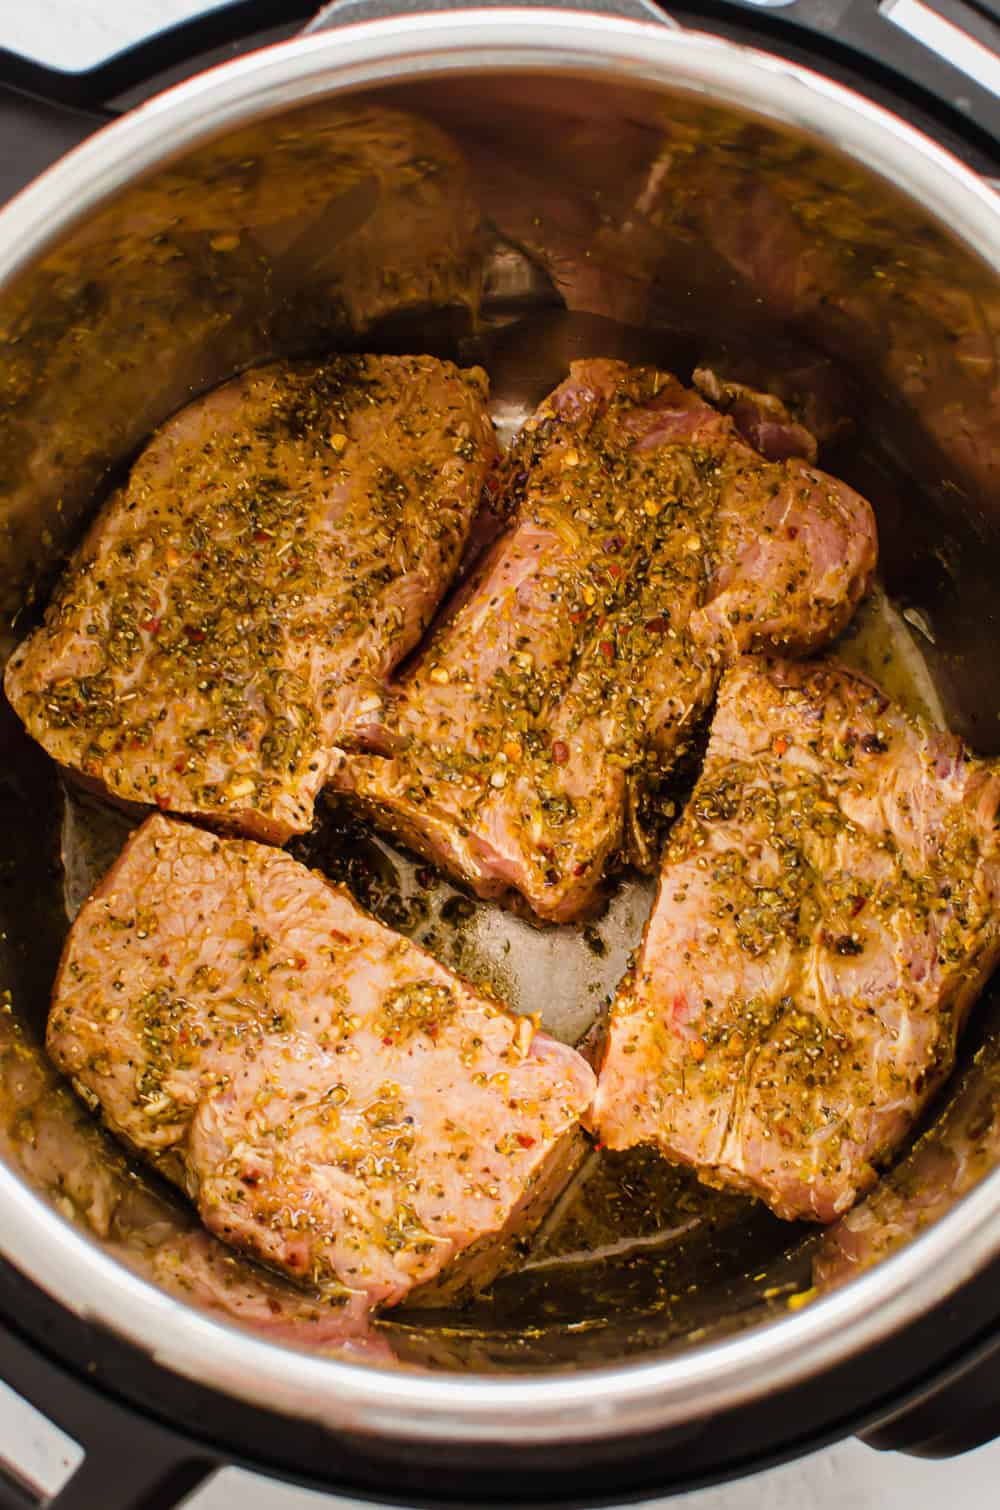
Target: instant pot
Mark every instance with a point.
(800, 191)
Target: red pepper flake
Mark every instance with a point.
(560, 751)
(615, 570)
(779, 744)
(161, 800)
(607, 650)
(577, 616)
(300, 962)
(856, 905)
(659, 625)
(261, 535)
(526, 1140)
(387, 1043)
(581, 869)
(194, 634)
(181, 764)
(338, 937)
(152, 625)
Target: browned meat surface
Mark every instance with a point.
(278, 547)
(648, 546)
(335, 1102)
(761, 418)
(827, 913)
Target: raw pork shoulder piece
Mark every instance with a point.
(278, 547)
(827, 914)
(649, 545)
(336, 1103)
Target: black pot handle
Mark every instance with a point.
(35, 133)
(910, 44)
(955, 1414)
(130, 1462)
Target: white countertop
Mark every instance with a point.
(78, 34)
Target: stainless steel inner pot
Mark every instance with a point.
(517, 187)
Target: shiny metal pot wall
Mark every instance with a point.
(517, 187)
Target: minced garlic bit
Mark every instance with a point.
(796, 1302)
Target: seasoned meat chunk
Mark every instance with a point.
(648, 546)
(827, 913)
(277, 548)
(335, 1102)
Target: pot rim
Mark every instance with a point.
(470, 1408)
